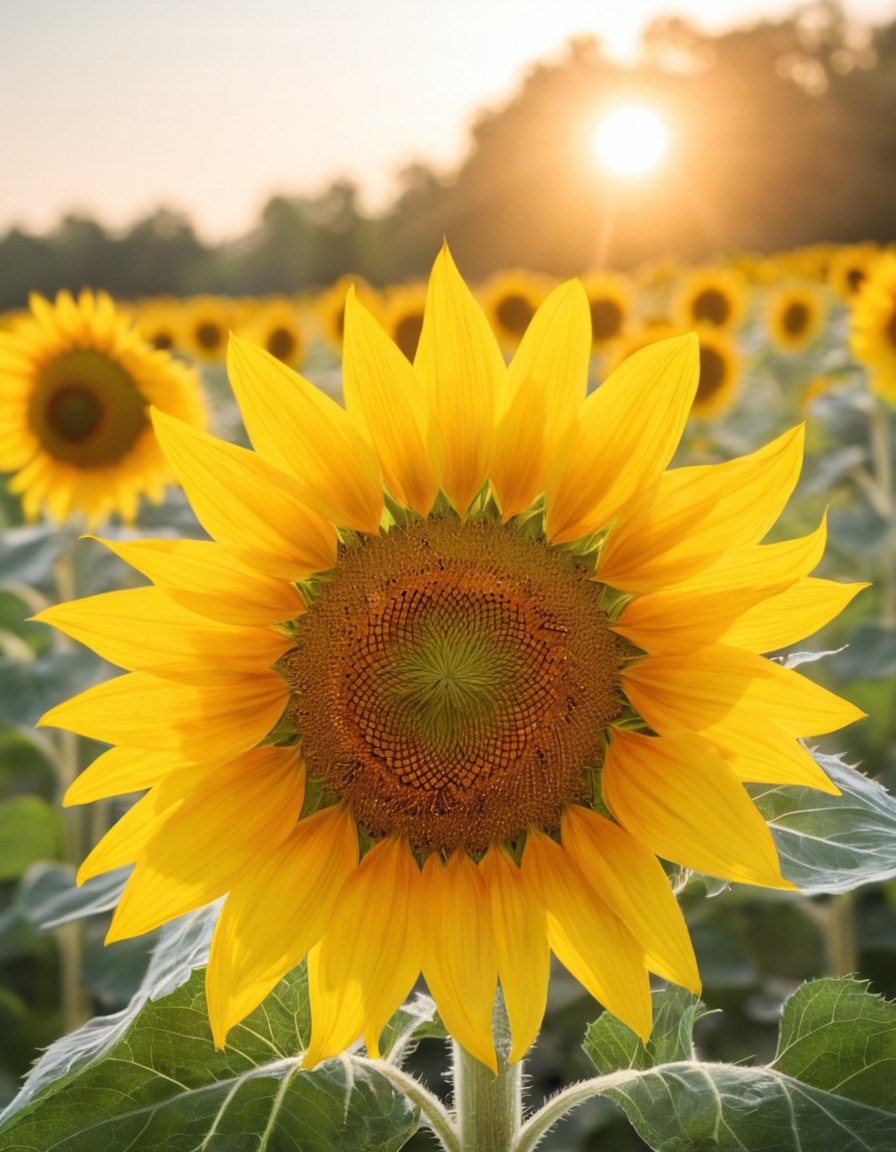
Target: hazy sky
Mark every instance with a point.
(114, 108)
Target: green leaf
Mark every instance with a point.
(29, 830)
(163, 1085)
(830, 843)
(831, 1085)
(29, 554)
(870, 654)
(30, 688)
(836, 1036)
(48, 895)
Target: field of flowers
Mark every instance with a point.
(804, 337)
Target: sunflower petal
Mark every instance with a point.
(690, 516)
(382, 391)
(369, 956)
(546, 384)
(625, 435)
(144, 628)
(586, 937)
(218, 822)
(255, 944)
(212, 580)
(459, 958)
(765, 753)
(218, 715)
(119, 771)
(305, 434)
(521, 942)
(791, 615)
(634, 885)
(679, 798)
(241, 501)
(462, 371)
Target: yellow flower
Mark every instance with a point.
(850, 266)
(795, 313)
(329, 306)
(711, 296)
(76, 385)
(609, 303)
(510, 300)
(205, 325)
(274, 325)
(458, 665)
(873, 325)
(402, 316)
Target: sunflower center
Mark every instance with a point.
(514, 313)
(407, 333)
(452, 682)
(606, 319)
(712, 372)
(209, 335)
(281, 343)
(86, 409)
(795, 318)
(890, 328)
(711, 305)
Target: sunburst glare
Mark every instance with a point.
(631, 140)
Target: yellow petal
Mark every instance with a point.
(521, 943)
(546, 384)
(118, 771)
(679, 798)
(689, 692)
(459, 363)
(791, 615)
(625, 435)
(587, 938)
(212, 580)
(218, 715)
(275, 914)
(144, 628)
(765, 754)
(245, 504)
(692, 515)
(300, 430)
(218, 821)
(381, 390)
(370, 955)
(702, 609)
(459, 959)
(634, 885)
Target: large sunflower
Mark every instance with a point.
(76, 384)
(458, 665)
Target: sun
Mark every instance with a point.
(631, 140)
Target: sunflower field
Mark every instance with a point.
(453, 715)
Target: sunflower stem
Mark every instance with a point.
(488, 1107)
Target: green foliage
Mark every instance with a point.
(831, 1085)
(162, 1085)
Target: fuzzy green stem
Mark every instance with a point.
(840, 931)
(431, 1108)
(488, 1107)
(557, 1107)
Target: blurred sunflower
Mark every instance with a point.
(159, 320)
(510, 300)
(207, 321)
(329, 306)
(715, 296)
(719, 372)
(274, 325)
(610, 304)
(795, 315)
(873, 325)
(850, 266)
(76, 386)
(402, 316)
(457, 666)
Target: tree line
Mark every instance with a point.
(784, 134)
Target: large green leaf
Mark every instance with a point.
(163, 1085)
(30, 830)
(832, 843)
(830, 1087)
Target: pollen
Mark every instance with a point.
(452, 681)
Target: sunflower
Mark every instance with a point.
(712, 296)
(402, 316)
(850, 266)
(206, 323)
(873, 326)
(510, 300)
(329, 306)
(77, 383)
(159, 320)
(274, 324)
(609, 303)
(795, 315)
(457, 666)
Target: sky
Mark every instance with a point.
(113, 108)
